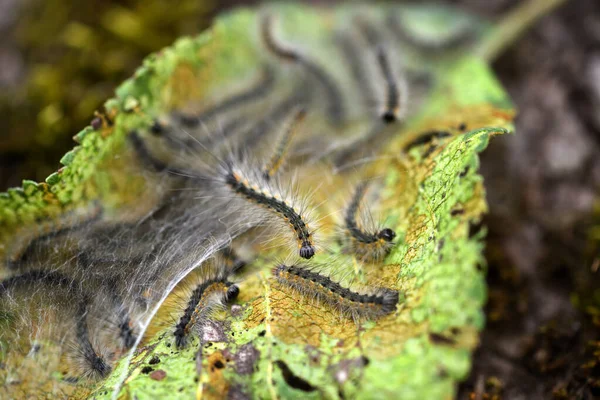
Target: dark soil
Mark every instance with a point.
(542, 339)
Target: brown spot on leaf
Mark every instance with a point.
(217, 386)
(346, 369)
(245, 359)
(441, 339)
(158, 375)
(216, 361)
(213, 331)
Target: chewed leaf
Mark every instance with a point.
(177, 170)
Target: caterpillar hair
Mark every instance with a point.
(232, 260)
(244, 181)
(278, 157)
(395, 87)
(299, 98)
(254, 188)
(211, 293)
(33, 277)
(109, 286)
(65, 258)
(122, 245)
(95, 365)
(359, 306)
(31, 243)
(257, 91)
(352, 55)
(160, 128)
(144, 154)
(153, 163)
(367, 246)
(391, 109)
(361, 146)
(189, 143)
(205, 298)
(126, 333)
(425, 138)
(335, 101)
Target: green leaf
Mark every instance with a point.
(297, 348)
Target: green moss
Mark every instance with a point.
(73, 59)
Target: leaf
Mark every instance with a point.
(277, 343)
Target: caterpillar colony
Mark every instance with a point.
(249, 171)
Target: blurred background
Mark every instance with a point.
(61, 59)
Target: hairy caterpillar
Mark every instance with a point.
(260, 89)
(210, 293)
(27, 249)
(229, 117)
(232, 260)
(245, 182)
(426, 137)
(298, 97)
(93, 363)
(335, 108)
(366, 245)
(392, 103)
(255, 189)
(360, 146)
(144, 154)
(395, 88)
(278, 157)
(353, 54)
(358, 306)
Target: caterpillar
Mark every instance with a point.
(153, 163)
(360, 146)
(94, 364)
(278, 157)
(391, 109)
(394, 87)
(208, 295)
(358, 306)
(367, 245)
(256, 190)
(191, 143)
(245, 182)
(232, 260)
(353, 60)
(298, 98)
(233, 107)
(335, 104)
(27, 248)
(425, 138)
(260, 89)
(97, 365)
